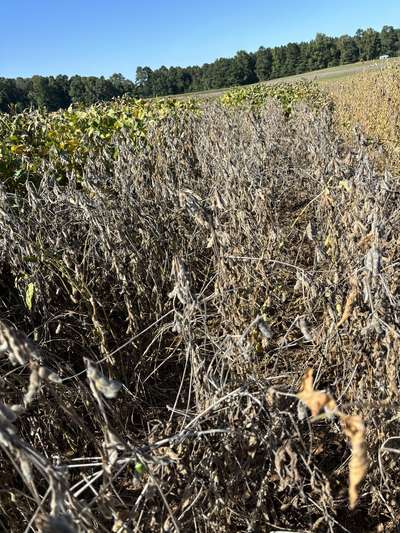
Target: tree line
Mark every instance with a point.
(59, 92)
(55, 92)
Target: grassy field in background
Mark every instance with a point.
(323, 75)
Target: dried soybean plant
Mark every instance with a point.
(169, 302)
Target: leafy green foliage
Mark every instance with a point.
(66, 139)
(287, 94)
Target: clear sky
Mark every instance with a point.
(100, 37)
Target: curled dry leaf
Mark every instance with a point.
(314, 399)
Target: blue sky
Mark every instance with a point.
(100, 37)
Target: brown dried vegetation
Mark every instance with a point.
(156, 324)
(371, 102)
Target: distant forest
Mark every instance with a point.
(56, 92)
